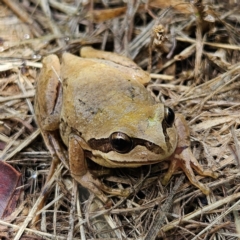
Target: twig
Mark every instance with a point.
(23, 144)
(72, 210)
(35, 207)
(160, 217)
(203, 210)
(24, 16)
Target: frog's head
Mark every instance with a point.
(137, 138)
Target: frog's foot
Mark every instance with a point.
(79, 171)
(184, 159)
(97, 187)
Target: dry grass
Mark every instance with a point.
(194, 69)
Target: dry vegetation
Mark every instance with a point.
(194, 69)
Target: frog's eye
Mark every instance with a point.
(169, 116)
(121, 142)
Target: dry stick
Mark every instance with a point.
(198, 10)
(5, 66)
(80, 218)
(3, 155)
(160, 216)
(218, 219)
(132, 8)
(56, 199)
(23, 144)
(217, 45)
(54, 28)
(14, 117)
(56, 204)
(237, 153)
(162, 76)
(201, 212)
(141, 40)
(30, 93)
(63, 7)
(24, 16)
(35, 207)
(6, 139)
(72, 211)
(185, 53)
(237, 157)
(111, 223)
(42, 234)
(199, 50)
(217, 228)
(212, 84)
(20, 84)
(199, 108)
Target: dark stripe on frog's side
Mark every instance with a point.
(105, 146)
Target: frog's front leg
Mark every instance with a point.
(183, 158)
(80, 172)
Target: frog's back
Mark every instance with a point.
(94, 84)
(103, 85)
(93, 88)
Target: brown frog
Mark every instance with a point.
(102, 111)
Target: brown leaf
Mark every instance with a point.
(178, 5)
(9, 181)
(102, 15)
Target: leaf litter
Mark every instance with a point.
(191, 49)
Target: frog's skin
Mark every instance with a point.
(100, 107)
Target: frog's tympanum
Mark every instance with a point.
(102, 111)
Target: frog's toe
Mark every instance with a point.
(207, 173)
(171, 170)
(115, 192)
(205, 189)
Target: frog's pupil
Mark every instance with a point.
(169, 116)
(121, 142)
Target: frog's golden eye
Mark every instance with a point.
(169, 116)
(121, 142)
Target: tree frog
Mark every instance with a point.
(98, 106)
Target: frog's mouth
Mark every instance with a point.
(130, 164)
(126, 163)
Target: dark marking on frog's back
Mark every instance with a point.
(65, 82)
(81, 102)
(86, 109)
(132, 92)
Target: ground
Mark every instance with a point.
(191, 50)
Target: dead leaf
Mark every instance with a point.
(9, 181)
(102, 15)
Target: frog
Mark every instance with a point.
(96, 106)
